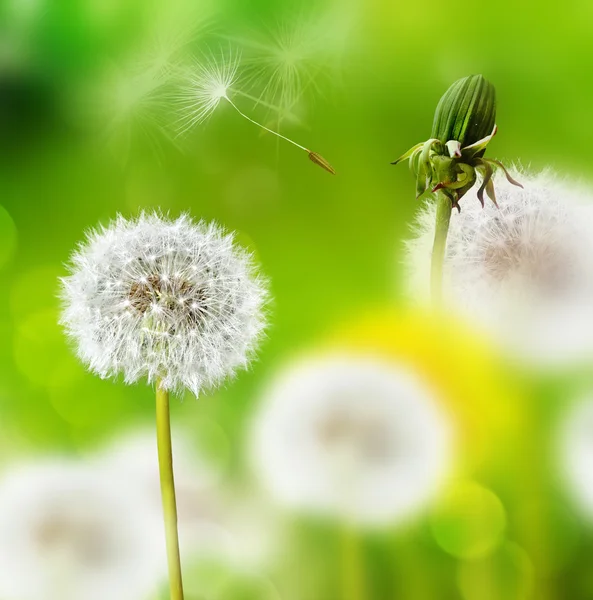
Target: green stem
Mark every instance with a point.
(352, 566)
(163, 430)
(444, 208)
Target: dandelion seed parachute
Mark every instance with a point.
(208, 83)
(523, 271)
(129, 98)
(169, 300)
(350, 436)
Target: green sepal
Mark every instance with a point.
(408, 154)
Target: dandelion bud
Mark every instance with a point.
(464, 124)
(467, 111)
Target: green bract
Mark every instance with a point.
(464, 124)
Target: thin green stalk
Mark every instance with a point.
(352, 565)
(163, 429)
(444, 208)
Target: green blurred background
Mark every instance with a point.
(330, 245)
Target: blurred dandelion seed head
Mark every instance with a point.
(523, 270)
(351, 436)
(163, 299)
(286, 64)
(212, 522)
(130, 96)
(575, 454)
(68, 531)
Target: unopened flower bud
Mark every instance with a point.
(464, 124)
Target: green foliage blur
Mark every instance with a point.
(330, 245)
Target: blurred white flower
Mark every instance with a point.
(69, 532)
(352, 436)
(158, 298)
(575, 454)
(212, 522)
(524, 271)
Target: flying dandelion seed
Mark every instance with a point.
(285, 63)
(209, 82)
(130, 97)
(291, 60)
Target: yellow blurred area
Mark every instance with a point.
(482, 399)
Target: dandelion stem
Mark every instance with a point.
(263, 126)
(163, 428)
(444, 208)
(352, 567)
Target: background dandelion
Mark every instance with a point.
(351, 437)
(522, 270)
(72, 531)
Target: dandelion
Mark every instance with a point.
(169, 300)
(211, 521)
(211, 81)
(173, 301)
(575, 453)
(448, 163)
(72, 532)
(288, 60)
(351, 435)
(128, 99)
(522, 270)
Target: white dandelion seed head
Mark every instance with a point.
(70, 532)
(205, 83)
(524, 271)
(575, 454)
(164, 299)
(351, 436)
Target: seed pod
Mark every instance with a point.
(320, 161)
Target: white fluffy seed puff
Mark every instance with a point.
(70, 531)
(172, 300)
(523, 271)
(351, 437)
